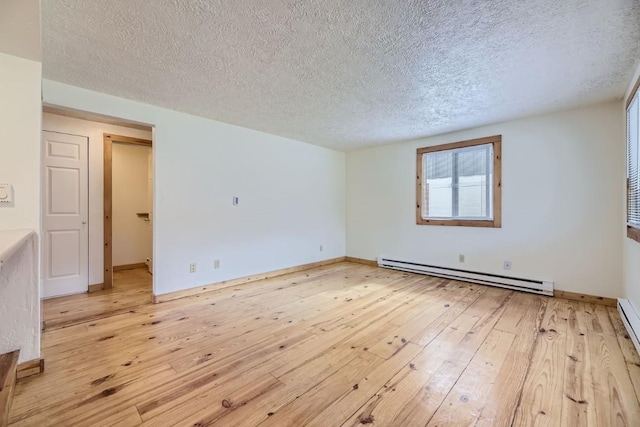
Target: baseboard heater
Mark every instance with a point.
(540, 287)
(631, 321)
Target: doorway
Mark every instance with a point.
(128, 212)
(73, 249)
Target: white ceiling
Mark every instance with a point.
(347, 74)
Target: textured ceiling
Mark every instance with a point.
(347, 74)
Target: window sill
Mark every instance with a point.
(460, 222)
(633, 233)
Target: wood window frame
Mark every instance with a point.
(633, 233)
(109, 139)
(496, 222)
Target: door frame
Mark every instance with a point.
(108, 140)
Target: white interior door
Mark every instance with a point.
(65, 236)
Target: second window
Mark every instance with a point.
(459, 183)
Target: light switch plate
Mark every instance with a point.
(5, 193)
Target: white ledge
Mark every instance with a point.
(11, 241)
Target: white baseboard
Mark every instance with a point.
(631, 320)
(540, 287)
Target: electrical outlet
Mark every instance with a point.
(216, 264)
(461, 258)
(321, 248)
(192, 267)
(507, 265)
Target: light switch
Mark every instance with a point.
(5, 193)
(236, 201)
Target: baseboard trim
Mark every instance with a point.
(30, 368)
(129, 266)
(96, 287)
(369, 262)
(235, 282)
(589, 299)
(631, 321)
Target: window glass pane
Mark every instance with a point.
(473, 162)
(438, 170)
(473, 186)
(472, 196)
(633, 138)
(636, 128)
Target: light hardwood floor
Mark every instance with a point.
(132, 288)
(344, 344)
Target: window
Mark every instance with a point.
(460, 183)
(633, 161)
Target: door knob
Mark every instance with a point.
(84, 222)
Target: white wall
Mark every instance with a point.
(560, 210)
(132, 235)
(20, 111)
(630, 248)
(292, 195)
(20, 117)
(20, 28)
(631, 272)
(19, 301)
(94, 131)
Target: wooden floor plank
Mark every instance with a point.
(616, 402)
(616, 321)
(418, 409)
(296, 382)
(540, 403)
(468, 396)
(431, 330)
(578, 402)
(8, 374)
(388, 402)
(127, 418)
(431, 313)
(343, 344)
(209, 407)
(522, 318)
(133, 289)
(346, 405)
(309, 404)
(103, 399)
